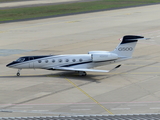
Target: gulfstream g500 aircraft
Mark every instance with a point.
(80, 63)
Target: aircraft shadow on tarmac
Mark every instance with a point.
(69, 75)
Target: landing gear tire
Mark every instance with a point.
(18, 74)
(82, 73)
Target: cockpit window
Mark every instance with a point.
(20, 60)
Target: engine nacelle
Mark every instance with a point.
(97, 52)
(104, 56)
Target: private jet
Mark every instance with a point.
(80, 63)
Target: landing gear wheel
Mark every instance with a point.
(18, 74)
(82, 73)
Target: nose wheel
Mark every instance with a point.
(82, 73)
(18, 73)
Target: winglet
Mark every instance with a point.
(115, 68)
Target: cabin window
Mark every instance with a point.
(80, 60)
(67, 60)
(60, 60)
(46, 61)
(53, 61)
(74, 60)
(39, 61)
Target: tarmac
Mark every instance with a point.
(131, 89)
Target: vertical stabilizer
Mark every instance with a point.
(127, 46)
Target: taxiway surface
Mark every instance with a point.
(133, 88)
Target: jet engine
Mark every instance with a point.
(102, 55)
(96, 52)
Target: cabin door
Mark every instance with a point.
(31, 64)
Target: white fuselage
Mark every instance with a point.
(78, 61)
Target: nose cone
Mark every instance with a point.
(8, 65)
(11, 64)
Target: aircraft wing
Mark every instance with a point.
(79, 69)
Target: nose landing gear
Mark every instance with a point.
(18, 73)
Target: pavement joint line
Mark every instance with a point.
(136, 59)
(138, 73)
(88, 96)
(39, 75)
(132, 103)
(141, 65)
(29, 75)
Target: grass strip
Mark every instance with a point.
(62, 9)
(11, 0)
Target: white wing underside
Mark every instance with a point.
(79, 69)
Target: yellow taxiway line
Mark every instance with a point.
(88, 96)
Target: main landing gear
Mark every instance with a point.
(18, 73)
(82, 73)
